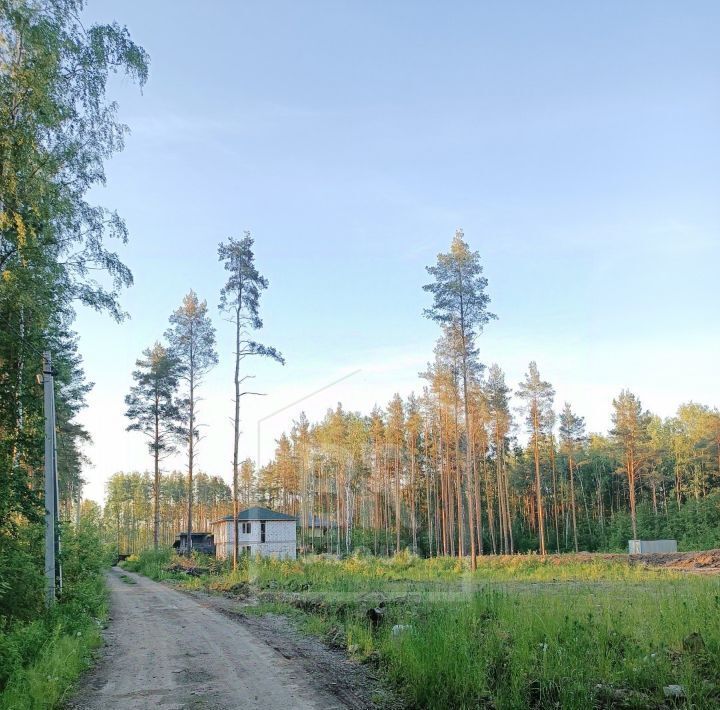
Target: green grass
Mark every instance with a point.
(150, 563)
(553, 647)
(519, 632)
(46, 682)
(157, 564)
(42, 655)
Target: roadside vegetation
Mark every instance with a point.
(42, 651)
(57, 128)
(519, 632)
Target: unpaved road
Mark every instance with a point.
(170, 650)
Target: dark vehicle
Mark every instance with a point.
(201, 542)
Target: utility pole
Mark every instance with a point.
(51, 490)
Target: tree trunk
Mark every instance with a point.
(469, 468)
(572, 501)
(236, 437)
(631, 484)
(156, 482)
(538, 490)
(191, 457)
(460, 522)
(427, 495)
(397, 498)
(555, 497)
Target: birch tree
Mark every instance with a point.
(57, 127)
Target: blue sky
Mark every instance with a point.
(577, 145)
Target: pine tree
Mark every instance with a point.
(572, 436)
(630, 433)
(153, 410)
(498, 399)
(301, 439)
(395, 434)
(538, 396)
(247, 481)
(460, 302)
(378, 476)
(192, 345)
(413, 429)
(240, 298)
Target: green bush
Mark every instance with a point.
(42, 651)
(10, 658)
(150, 562)
(22, 580)
(695, 525)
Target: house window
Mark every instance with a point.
(247, 550)
(246, 528)
(262, 531)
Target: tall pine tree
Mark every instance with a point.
(192, 345)
(153, 410)
(538, 397)
(572, 437)
(460, 303)
(240, 300)
(630, 432)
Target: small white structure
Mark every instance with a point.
(644, 547)
(260, 531)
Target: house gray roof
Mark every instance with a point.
(257, 512)
(316, 521)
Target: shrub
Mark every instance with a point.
(43, 650)
(151, 563)
(10, 657)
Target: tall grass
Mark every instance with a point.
(45, 682)
(41, 656)
(560, 647)
(405, 571)
(520, 632)
(150, 563)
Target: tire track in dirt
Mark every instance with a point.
(170, 650)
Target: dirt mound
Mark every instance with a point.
(707, 561)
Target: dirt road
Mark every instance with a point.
(166, 649)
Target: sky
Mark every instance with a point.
(576, 144)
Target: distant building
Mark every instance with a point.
(260, 531)
(201, 542)
(316, 525)
(644, 547)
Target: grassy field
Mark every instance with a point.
(520, 632)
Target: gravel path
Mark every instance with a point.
(169, 650)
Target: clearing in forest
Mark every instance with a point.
(520, 632)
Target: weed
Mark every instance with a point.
(40, 659)
(520, 632)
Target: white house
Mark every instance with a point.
(260, 531)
